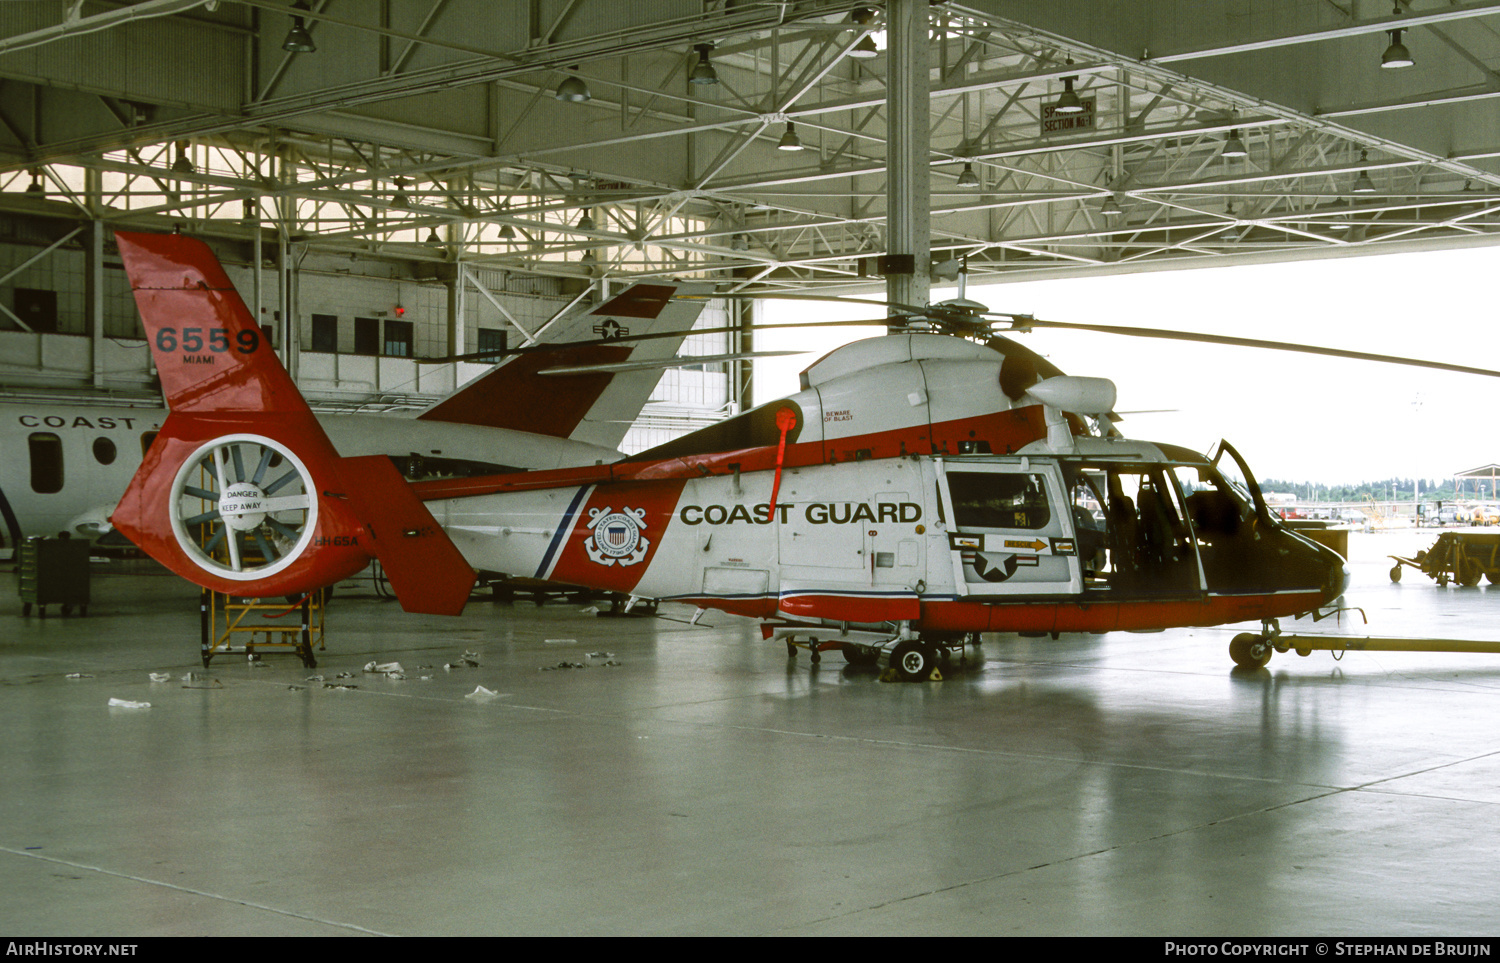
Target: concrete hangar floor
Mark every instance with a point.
(1116, 784)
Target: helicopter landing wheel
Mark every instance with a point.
(1396, 573)
(860, 655)
(914, 660)
(1250, 651)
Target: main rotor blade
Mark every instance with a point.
(1168, 335)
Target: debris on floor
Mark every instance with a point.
(592, 659)
(481, 694)
(128, 704)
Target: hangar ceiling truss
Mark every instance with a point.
(430, 129)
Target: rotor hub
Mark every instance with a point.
(242, 506)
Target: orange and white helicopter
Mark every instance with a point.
(919, 490)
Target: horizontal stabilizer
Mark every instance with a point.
(426, 570)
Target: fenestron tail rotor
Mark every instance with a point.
(243, 507)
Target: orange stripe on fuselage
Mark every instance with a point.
(616, 534)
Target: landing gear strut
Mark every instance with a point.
(912, 658)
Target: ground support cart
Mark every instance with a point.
(54, 571)
(231, 625)
(1460, 556)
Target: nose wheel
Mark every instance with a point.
(1250, 651)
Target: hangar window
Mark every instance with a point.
(492, 339)
(46, 462)
(398, 339)
(325, 333)
(367, 336)
(104, 451)
(38, 308)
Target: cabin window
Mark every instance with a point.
(999, 500)
(104, 451)
(46, 462)
(147, 437)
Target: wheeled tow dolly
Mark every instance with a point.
(1250, 650)
(1462, 557)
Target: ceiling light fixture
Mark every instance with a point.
(1362, 183)
(182, 165)
(401, 199)
(1111, 207)
(1233, 146)
(866, 48)
(789, 139)
(968, 178)
(573, 90)
(35, 188)
(298, 40)
(1068, 103)
(433, 240)
(703, 73)
(1396, 55)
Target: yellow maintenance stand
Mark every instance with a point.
(239, 625)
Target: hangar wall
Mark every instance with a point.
(360, 322)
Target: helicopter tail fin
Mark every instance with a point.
(644, 322)
(242, 492)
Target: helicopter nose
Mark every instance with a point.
(1336, 581)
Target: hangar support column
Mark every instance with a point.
(908, 201)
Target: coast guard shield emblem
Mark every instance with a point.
(615, 537)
